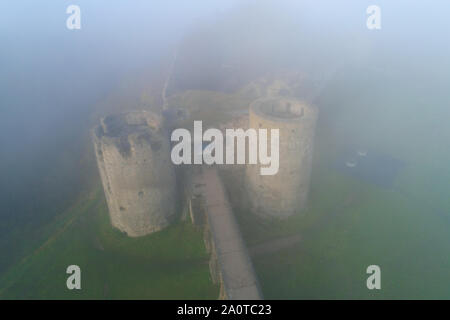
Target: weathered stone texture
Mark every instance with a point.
(285, 193)
(133, 156)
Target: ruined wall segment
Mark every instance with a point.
(133, 157)
(285, 193)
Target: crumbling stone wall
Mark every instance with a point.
(133, 157)
(285, 193)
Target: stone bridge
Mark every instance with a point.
(230, 263)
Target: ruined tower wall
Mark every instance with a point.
(285, 193)
(133, 158)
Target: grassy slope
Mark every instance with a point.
(169, 264)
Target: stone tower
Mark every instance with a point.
(133, 157)
(285, 193)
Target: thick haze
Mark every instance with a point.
(49, 73)
(387, 88)
(51, 76)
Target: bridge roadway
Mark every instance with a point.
(235, 266)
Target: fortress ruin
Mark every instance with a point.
(285, 193)
(133, 158)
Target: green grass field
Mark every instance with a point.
(171, 264)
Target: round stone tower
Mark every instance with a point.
(133, 157)
(285, 193)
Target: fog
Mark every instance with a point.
(50, 73)
(52, 78)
